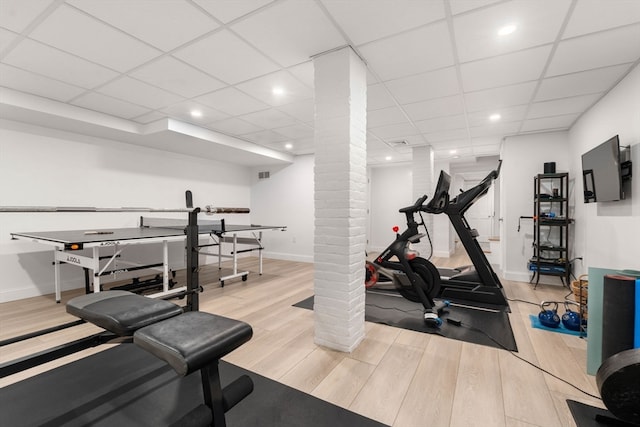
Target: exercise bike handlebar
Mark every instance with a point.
(417, 206)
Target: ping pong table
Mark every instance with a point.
(70, 247)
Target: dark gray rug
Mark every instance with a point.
(126, 386)
(589, 416)
(479, 326)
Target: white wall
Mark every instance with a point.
(523, 157)
(391, 189)
(286, 198)
(44, 167)
(608, 234)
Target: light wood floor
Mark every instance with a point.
(398, 377)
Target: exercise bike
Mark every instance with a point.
(415, 278)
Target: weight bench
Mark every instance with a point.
(188, 342)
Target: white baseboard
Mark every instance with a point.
(288, 257)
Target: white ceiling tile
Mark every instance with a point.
(495, 129)
(538, 23)
(303, 72)
(385, 116)
(603, 49)
(231, 101)
(106, 104)
(296, 131)
(424, 86)
(27, 82)
(558, 107)
(302, 146)
(460, 6)
(137, 92)
(226, 57)
(234, 126)
(290, 41)
(596, 15)
(50, 62)
(395, 131)
(442, 123)
(150, 20)
(504, 70)
(507, 114)
(378, 97)
(375, 145)
(261, 88)
(413, 140)
(228, 10)
(182, 110)
(75, 32)
(482, 150)
(548, 123)
(446, 135)
(303, 111)
(149, 117)
(581, 83)
(175, 76)
(500, 97)
(447, 106)
(364, 20)
(15, 15)
(6, 38)
(269, 119)
(423, 49)
(265, 137)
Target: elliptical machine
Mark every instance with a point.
(415, 278)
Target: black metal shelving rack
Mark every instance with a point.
(551, 224)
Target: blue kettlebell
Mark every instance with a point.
(571, 319)
(549, 318)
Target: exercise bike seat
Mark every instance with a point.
(121, 312)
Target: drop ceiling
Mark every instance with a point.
(134, 70)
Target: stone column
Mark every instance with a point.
(340, 198)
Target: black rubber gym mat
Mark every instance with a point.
(126, 386)
(585, 415)
(479, 326)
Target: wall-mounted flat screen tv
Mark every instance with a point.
(601, 172)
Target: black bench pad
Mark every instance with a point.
(121, 312)
(193, 340)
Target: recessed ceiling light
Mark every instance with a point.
(495, 117)
(507, 29)
(288, 146)
(196, 114)
(388, 158)
(277, 91)
(453, 151)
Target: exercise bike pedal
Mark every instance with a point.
(432, 319)
(441, 307)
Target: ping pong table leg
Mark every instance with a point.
(260, 252)
(235, 254)
(96, 269)
(56, 269)
(165, 267)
